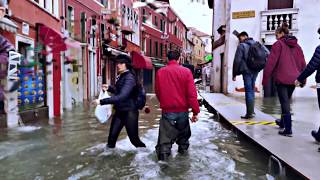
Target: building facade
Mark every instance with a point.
(82, 75)
(161, 30)
(40, 69)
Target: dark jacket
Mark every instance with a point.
(175, 89)
(285, 62)
(240, 58)
(313, 65)
(5, 47)
(125, 93)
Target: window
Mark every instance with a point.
(161, 50)
(175, 30)
(144, 18)
(104, 2)
(52, 6)
(102, 30)
(70, 21)
(280, 4)
(83, 26)
(156, 21)
(143, 45)
(156, 48)
(162, 25)
(150, 47)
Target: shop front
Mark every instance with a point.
(39, 73)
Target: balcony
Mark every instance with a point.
(272, 19)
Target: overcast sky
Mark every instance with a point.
(194, 14)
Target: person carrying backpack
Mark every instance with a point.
(250, 58)
(125, 99)
(284, 64)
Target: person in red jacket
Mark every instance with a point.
(176, 92)
(284, 64)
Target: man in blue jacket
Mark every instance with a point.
(313, 65)
(240, 67)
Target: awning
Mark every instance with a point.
(140, 62)
(159, 65)
(52, 38)
(115, 52)
(167, 1)
(72, 43)
(126, 30)
(7, 25)
(73, 52)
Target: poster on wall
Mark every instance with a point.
(32, 87)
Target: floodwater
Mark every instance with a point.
(73, 147)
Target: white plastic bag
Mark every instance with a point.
(103, 112)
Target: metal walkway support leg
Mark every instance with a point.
(274, 164)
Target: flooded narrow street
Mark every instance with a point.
(74, 148)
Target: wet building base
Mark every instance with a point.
(34, 115)
(28, 116)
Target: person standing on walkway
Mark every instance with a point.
(285, 63)
(313, 65)
(124, 100)
(176, 92)
(240, 67)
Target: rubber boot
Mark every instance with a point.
(280, 122)
(316, 135)
(250, 111)
(287, 131)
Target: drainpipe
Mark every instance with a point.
(212, 81)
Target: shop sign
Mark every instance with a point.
(243, 14)
(14, 60)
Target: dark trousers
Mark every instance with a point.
(249, 80)
(128, 119)
(174, 128)
(285, 93)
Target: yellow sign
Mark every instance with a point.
(243, 14)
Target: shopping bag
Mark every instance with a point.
(103, 112)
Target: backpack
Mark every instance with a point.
(257, 57)
(141, 97)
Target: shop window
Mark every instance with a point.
(32, 80)
(280, 4)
